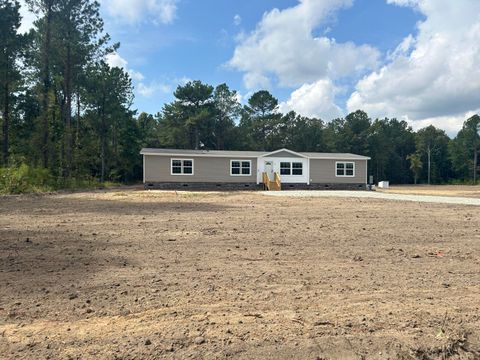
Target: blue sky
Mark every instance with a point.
(412, 59)
(201, 40)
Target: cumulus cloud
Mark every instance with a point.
(283, 47)
(115, 60)
(451, 124)
(153, 88)
(126, 11)
(136, 75)
(142, 89)
(433, 77)
(314, 100)
(137, 11)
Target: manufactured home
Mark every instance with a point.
(276, 170)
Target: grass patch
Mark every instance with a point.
(24, 179)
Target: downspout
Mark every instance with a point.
(258, 170)
(143, 168)
(366, 173)
(308, 167)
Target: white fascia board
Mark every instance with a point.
(339, 158)
(287, 150)
(197, 155)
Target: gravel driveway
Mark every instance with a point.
(376, 195)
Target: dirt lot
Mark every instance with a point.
(438, 190)
(147, 275)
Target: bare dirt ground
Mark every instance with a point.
(437, 190)
(148, 275)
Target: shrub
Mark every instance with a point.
(25, 179)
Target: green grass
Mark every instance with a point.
(24, 179)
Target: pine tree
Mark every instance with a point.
(12, 45)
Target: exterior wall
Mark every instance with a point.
(324, 172)
(276, 168)
(157, 169)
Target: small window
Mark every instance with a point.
(285, 168)
(345, 169)
(182, 167)
(288, 168)
(245, 167)
(235, 166)
(349, 169)
(297, 169)
(340, 169)
(240, 167)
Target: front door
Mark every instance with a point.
(269, 169)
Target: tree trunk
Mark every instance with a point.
(68, 113)
(102, 157)
(6, 122)
(429, 153)
(475, 162)
(77, 133)
(197, 137)
(46, 85)
(102, 146)
(103, 136)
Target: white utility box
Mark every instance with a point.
(383, 184)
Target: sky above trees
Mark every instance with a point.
(416, 60)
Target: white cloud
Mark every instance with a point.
(136, 75)
(137, 11)
(283, 47)
(153, 88)
(239, 97)
(115, 60)
(314, 100)
(434, 77)
(183, 80)
(237, 20)
(451, 124)
(27, 18)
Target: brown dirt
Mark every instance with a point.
(147, 275)
(437, 190)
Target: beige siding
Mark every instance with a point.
(324, 171)
(206, 169)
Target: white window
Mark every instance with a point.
(345, 169)
(182, 167)
(291, 168)
(240, 167)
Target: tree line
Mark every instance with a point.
(65, 110)
(204, 117)
(62, 107)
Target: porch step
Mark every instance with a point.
(274, 185)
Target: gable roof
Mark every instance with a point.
(249, 154)
(284, 150)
